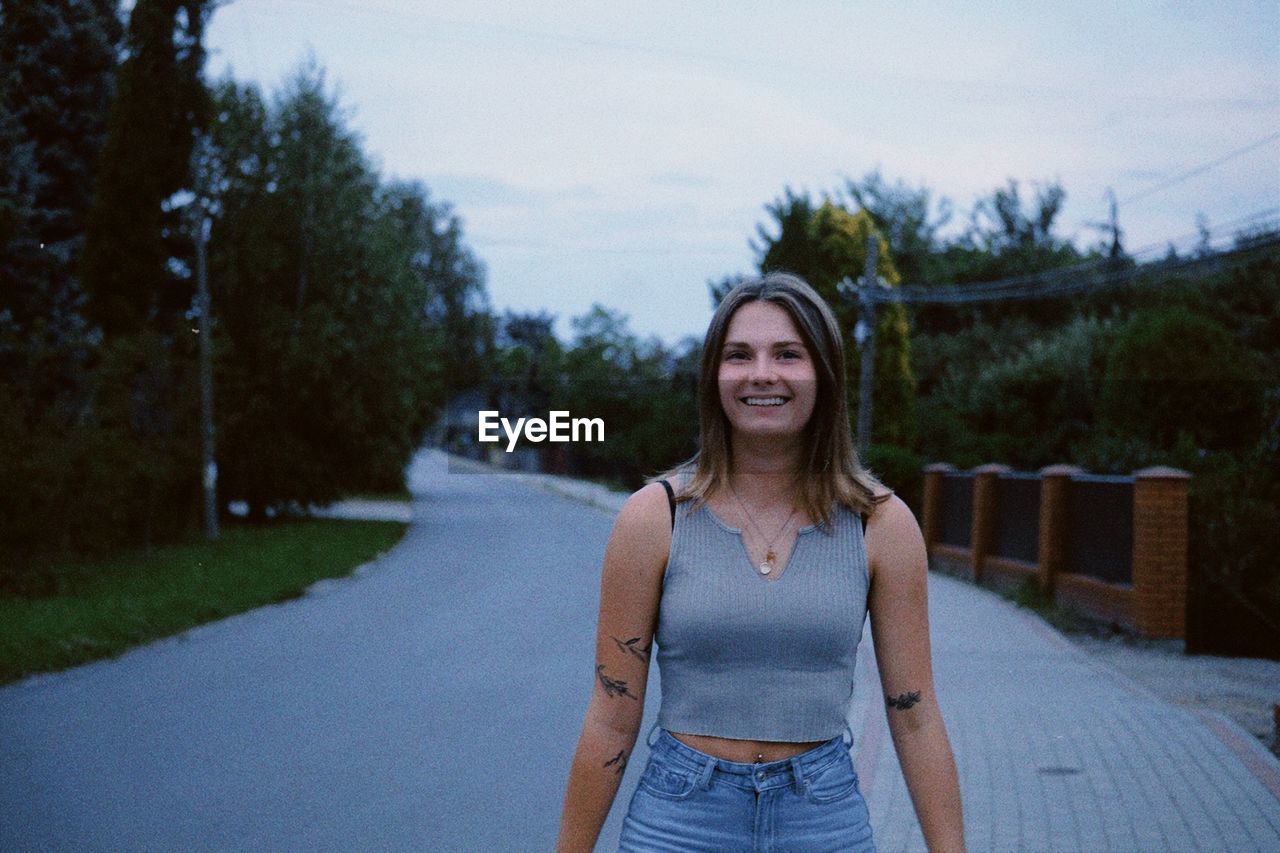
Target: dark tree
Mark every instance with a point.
(60, 58)
(909, 220)
(791, 249)
(161, 105)
(332, 301)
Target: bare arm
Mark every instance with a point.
(898, 603)
(630, 589)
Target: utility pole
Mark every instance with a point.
(866, 337)
(210, 466)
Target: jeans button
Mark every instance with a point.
(760, 775)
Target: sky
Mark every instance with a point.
(623, 153)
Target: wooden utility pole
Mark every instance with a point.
(210, 466)
(867, 381)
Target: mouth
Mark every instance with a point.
(764, 402)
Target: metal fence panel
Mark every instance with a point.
(957, 508)
(1017, 534)
(1100, 527)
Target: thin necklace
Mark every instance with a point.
(769, 557)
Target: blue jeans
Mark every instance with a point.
(688, 800)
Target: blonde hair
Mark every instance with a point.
(831, 472)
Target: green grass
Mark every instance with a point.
(105, 607)
(1030, 596)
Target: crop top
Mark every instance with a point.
(743, 657)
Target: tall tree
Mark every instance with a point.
(1009, 236)
(908, 218)
(457, 301)
(161, 104)
(57, 67)
(791, 249)
(60, 56)
(136, 265)
(325, 284)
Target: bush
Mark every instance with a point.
(901, 470)
(1170, 371)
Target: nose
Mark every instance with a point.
(763, 371)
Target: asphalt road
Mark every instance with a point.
(431, 702)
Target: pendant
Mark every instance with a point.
(767, 565)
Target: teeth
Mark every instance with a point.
(764, 401)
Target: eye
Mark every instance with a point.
(790, 353)
(734, 355)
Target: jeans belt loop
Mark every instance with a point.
(704, 777)
(649, 738)
(797, 770)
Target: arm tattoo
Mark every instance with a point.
(618, 762)
(904, 700)
(631, 648)
(612, 686)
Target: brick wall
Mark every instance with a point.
(1154, 604)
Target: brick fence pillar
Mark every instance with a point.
(1160, 552)
(982, 533)
(931, 512)
(1055, 482)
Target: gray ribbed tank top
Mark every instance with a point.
(753, 659)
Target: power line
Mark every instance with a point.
(1199, 170)
(1092, 275)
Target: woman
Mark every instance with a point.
(754, 578)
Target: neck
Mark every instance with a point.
(763, 469)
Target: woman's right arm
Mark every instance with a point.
(630, 590)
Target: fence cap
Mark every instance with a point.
(939, 467)
(993, 468)
(1162, 472)
(1061, 470)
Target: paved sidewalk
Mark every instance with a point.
(1056, 751)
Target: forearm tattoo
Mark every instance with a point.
(903, 701)
(618, 762)
(632, 647)
(612, 686)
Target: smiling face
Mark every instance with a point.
(767, 380)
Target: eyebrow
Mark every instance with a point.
(779, 345)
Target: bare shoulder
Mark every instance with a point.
(646, 508)
(894, 542)
(889, 511)
(642, 528)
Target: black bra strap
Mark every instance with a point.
(671, 501)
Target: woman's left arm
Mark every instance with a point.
(899, 608)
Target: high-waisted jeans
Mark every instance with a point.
(688, 800)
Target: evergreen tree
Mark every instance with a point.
(136, 266)
(57, 66)
(60, 57)
(160, 105)
(791, 249)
